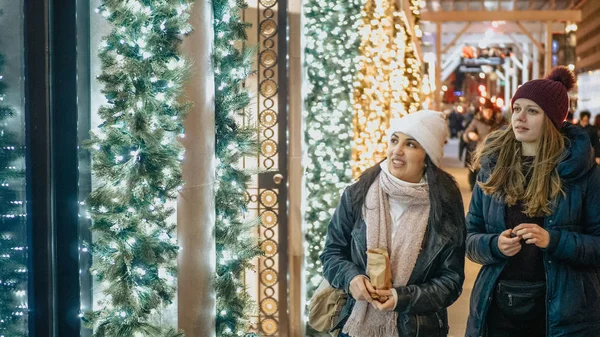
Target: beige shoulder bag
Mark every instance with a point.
(325, 306)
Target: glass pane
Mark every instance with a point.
(92, 27)
(13, 224)
(84, 15)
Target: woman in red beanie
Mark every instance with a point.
(534, 222)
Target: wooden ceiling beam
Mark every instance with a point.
(404, 5)
(536, 42)
(530, 15)
(517, 44)
(474, 39)
(510, 27)
(462, 31)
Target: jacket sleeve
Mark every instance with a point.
(581, 248)
(338, 267)
(441, 290)
(482, 247)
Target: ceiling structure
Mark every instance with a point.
(526, 26)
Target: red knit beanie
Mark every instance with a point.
(550, 94)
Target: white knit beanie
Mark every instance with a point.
(427, 127)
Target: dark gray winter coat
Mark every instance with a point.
(435, 283)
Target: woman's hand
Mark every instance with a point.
(533, 234)
(509, 246)
(473, 136)
(361, 288)
(389, 304)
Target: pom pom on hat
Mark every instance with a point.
(550, 93)
(562, 75)
(427, 127)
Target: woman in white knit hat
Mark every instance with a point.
(408, 205)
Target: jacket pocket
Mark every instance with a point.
(444, 327)
(520, 299)
(430, 325)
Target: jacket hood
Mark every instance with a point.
(578, 158)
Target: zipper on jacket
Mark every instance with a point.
(545, 257)
(442, 329)
(487, 307)
(418, 325)
(510, 301)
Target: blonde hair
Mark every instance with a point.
(507, 181)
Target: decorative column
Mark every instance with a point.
(296, 127)
(196, 206)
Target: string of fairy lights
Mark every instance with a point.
(136, 166)
(331, 62)
(362, 71)
(381, 82)
(356, 82)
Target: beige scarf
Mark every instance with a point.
(366, 321)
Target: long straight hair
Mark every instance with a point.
(507, 181)
(444, 197)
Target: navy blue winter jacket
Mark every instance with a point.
(572, 258)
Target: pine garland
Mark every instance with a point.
(235, 244)
(332, 42)
(136, 165)
(13, 271)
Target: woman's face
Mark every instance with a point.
(527, 121)
(406, 158)
(487, 113)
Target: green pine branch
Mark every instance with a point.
(236, 246)
(136, 160)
